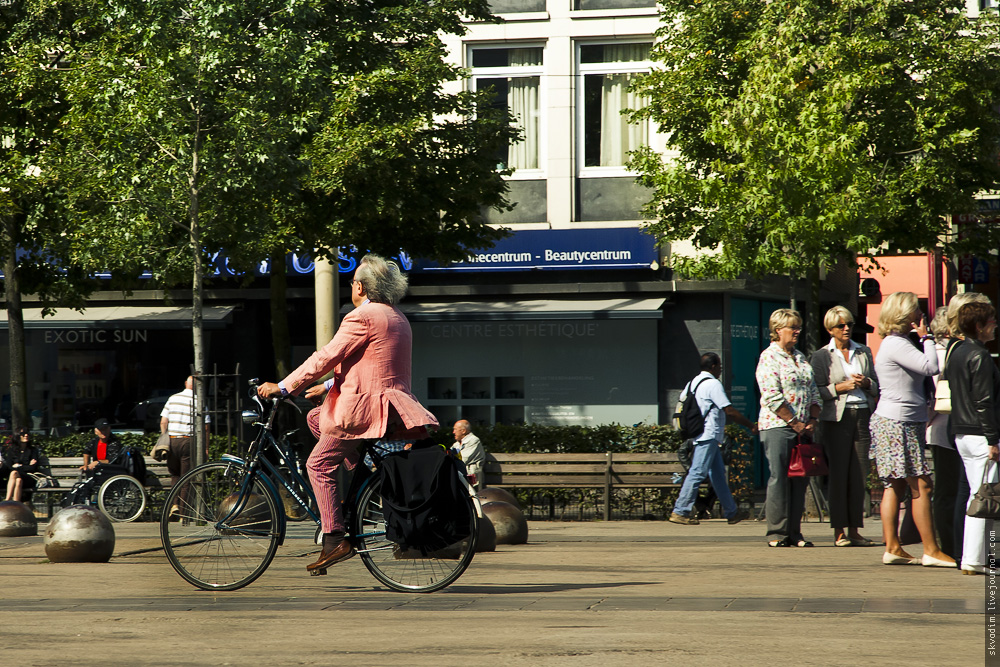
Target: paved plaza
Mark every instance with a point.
(592, 593)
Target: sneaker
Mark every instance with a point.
(683, 520)
(739, 516)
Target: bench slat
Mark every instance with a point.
(546, 468)
(550, 457)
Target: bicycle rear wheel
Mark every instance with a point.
(408, 570)
(206, 552)
(122, 498)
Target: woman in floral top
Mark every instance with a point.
(789, 407)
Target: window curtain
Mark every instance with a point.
(618, 136)
(522, 100)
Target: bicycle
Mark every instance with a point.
(231, 519)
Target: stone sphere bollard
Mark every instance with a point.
(16, 520)
(487, 540)
(79, 534)
(254, 514)
(495, 494)
(509, 523)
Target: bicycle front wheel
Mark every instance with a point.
(122, 498)
(407, 570)
(204, 544)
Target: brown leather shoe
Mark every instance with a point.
(339, 553)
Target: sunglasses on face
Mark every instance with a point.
(843, 325)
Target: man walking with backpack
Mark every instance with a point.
(706, 462)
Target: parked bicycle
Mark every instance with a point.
(231, 518)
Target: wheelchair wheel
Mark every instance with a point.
(122, 498)
(206, 543)
(407, 570)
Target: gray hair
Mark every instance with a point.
(382, 280)
(939, 325)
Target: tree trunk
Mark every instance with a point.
(812, 324)
(280, 335)
(793, 302)
(15, 326)
(197, 323)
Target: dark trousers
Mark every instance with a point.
(179, 457)
(961, 502)
(846, 443)
(947, 469)
(786, 496)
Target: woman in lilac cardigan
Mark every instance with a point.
(899, 423)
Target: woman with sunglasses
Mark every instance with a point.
(845, 376)
(19, 458)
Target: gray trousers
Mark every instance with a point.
(786, 496)
(846, 444)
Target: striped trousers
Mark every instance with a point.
(327, 456)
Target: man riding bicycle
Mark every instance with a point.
(369, 396)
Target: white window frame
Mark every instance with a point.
(517, 72)
(583, 69)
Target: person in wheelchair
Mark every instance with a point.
(103, 458)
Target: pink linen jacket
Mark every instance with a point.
(371, 354)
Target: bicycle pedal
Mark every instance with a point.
(316, 573)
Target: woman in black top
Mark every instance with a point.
(975, 416)
(19, 458)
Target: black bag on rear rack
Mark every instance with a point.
(423, 499)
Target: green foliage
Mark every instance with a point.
(265, 127)
(33, 39)
(73, 445)
(817, 129)
(532, 438)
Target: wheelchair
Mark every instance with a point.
(120, 497)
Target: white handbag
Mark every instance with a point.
(942, 393)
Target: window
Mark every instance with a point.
(514, 76)
(607, 71)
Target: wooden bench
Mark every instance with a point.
(66, 469)
(607, 471)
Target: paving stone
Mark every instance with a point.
(830, 605)
(696, 604)
(897, 605)
(763, 604)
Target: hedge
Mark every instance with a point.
(506, 438)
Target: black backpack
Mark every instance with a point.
(688, 419)
(422, 499)
(134, 463)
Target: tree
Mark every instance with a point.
(811, 130)
(36, 255)
(193, 123)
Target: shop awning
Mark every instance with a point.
(123, 317)
(541, 309)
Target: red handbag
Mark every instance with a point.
(807, 460)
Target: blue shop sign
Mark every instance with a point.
(533, 249)
(559, 249)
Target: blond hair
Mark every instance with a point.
(781, 318)
(834, 315)
(897, 310)
(955, 305)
